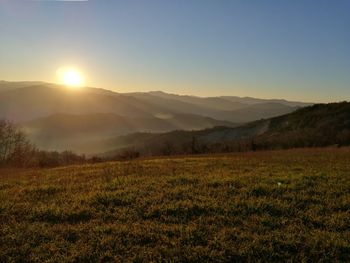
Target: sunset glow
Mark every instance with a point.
(70, 77)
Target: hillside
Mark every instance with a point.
(39, 101)
(25, 101)
(271, 206)
(252, 101)
(75, 132)
(210, 102)
(226, 102)
(7, 85)
(257, 112)
(58, 118)
(221, 108)
(317, 125)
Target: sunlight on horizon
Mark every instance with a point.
(70, 77)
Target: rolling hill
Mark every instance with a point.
(57, 118)
(252, 101)
(234, 109)
(67, 131)
(39, 101)
(24, 101)
(317, 125)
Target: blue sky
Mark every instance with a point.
(296, 49)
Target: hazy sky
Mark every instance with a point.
(297, 49)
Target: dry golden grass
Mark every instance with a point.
(289, 205)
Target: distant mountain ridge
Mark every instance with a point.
(241, 100)
(234, 109)
(23, 101)
(55, 116)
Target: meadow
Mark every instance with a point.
(291, 205)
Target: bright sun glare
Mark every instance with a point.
(70, 77)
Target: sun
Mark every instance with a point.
(70, 77)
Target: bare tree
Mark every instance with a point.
(15, 149)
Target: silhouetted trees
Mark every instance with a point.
(127, 154)
(54, 159)
(168, 148)
(15, 149)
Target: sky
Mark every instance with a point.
(296, 50)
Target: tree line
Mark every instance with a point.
(17, 151)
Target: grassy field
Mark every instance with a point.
(289, 205)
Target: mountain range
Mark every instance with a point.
(56, 117)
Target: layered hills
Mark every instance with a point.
(56, 117)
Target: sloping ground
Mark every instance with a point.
(177, 142)
(256, 112)
(24, 101)
(317, 125)
(269, 206)
(79, 132)
(31, 102)
(319, 116)
(251, 101)
(221, 108)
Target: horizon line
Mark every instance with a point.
(181, 94)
